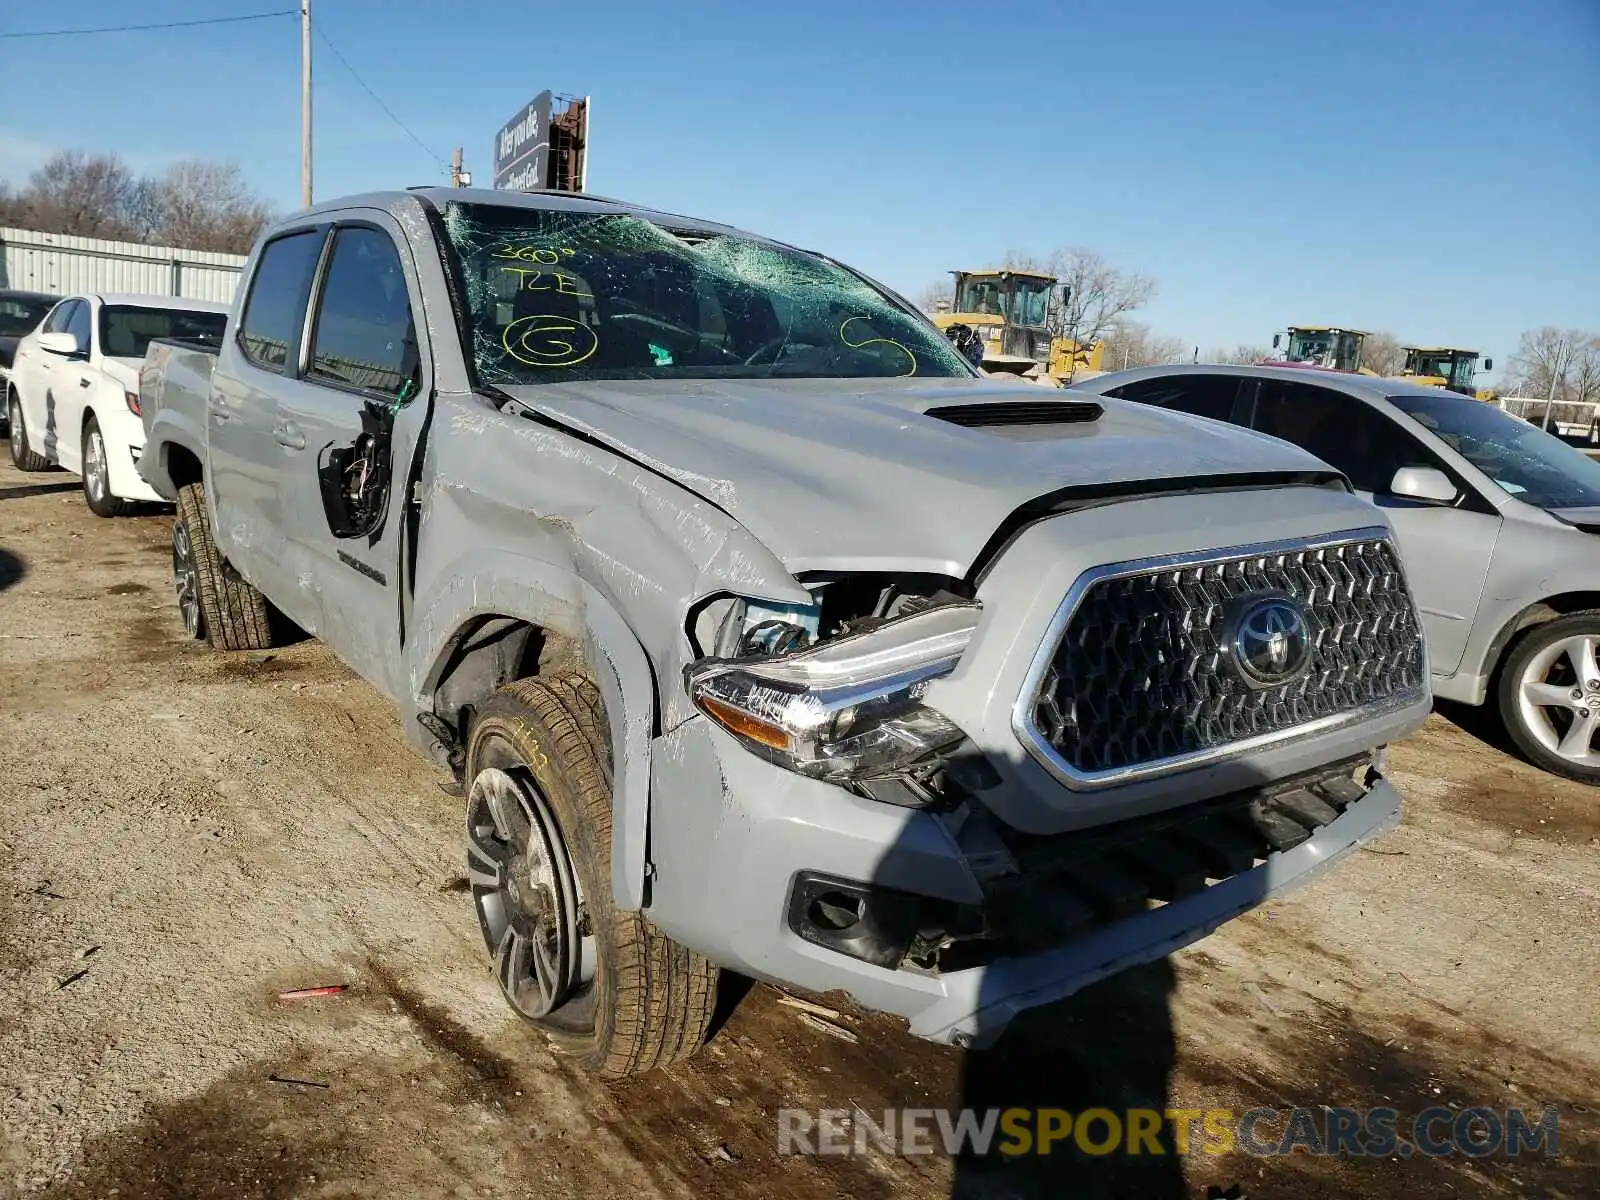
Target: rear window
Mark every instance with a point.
(126, 330)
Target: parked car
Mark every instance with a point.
(74, 390)
(760, 631)
(20, 314)
(1497, 523)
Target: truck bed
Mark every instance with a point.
(175, 387)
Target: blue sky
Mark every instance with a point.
(1431, 167)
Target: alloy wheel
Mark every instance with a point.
(185, 578)
(1558, 698)
(530, 908)
(94, 467)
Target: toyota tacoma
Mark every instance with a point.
(760, 632)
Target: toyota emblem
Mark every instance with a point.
(1269, 639)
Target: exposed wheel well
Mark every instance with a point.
(1539, 613)
(489, 651)
(183, 468)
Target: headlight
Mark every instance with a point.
(847, 709)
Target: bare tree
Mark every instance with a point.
(1243, 354)
(1564, 363)
(1130, 344)
(84, 194)
(206, 206)
(196, 205)
(930, 297)
(1382, 354)
(1098, 294)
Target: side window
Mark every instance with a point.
(1202, 395)
(364, 335)
(269, 333)
(56, 322)
(1341, 430)
(78, 325)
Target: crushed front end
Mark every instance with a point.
(1102, 746)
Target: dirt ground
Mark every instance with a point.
(185, 834)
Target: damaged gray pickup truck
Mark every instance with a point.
(762, 633)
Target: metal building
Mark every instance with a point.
(67, 266)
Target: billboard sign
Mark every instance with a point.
(522, 147)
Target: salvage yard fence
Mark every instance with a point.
(73, 266)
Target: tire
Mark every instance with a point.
(22, 455)
(97, 475)
(1546, 699)
(228, 612)
(616, 995)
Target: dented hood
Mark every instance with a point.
(850, 474)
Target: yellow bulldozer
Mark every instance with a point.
(1445, 367)
(1009, 310)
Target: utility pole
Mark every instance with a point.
(1557, 370)
(458, 177)
(305, 102)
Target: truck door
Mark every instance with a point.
(247, 460)
(358, 411)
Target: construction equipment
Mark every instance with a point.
(1444, 367)
(1009, 309)
(1325, 347)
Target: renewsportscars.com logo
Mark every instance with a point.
(1476, 1132)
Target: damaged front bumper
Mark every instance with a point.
(959, 926)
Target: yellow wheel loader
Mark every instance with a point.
(1009, 310)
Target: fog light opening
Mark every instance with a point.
(836, 911)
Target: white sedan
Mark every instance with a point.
(74, 395)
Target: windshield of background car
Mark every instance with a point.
(126, 330)
(19, 316)
(558, 296)
(1523, 460)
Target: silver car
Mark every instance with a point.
(1495, 520)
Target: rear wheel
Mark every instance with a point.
(97, 475)
(215, 602)
(603, 985)
(22, 454)
(1549, 695)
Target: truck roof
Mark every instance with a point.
(397, 202)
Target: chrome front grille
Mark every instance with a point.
(1139, 677)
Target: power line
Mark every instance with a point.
(389, 112)
(45, 33)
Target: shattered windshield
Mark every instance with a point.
(1523, 460)
(559, 296)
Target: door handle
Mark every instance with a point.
(82, 382)
(219, 409)
(289, 436)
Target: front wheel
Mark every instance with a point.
(1549, 695)
(97, 475)
(604, 986)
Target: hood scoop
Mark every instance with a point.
(1020, 412)
(1022, 420)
